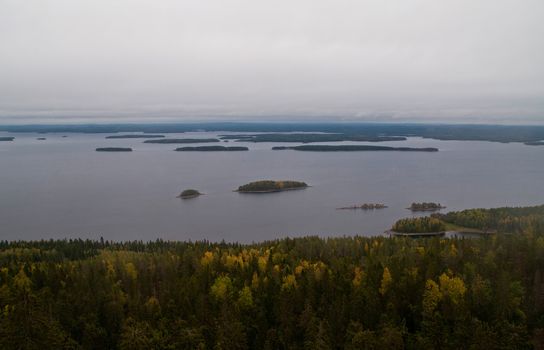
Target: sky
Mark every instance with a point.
(149, 60)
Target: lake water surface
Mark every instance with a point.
(60, 187)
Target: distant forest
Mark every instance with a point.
(302, 293)
(347, 131)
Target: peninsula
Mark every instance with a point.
(267, 186)
(425, 206)
(352, 148)
(535, 143)
(170, 141)
(7, 138)
(138, 136)
(210, 149)
(190, 193)
(114, 149)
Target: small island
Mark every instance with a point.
(171, 141)
(365, 206)
(131, 136)
(41, 139)
(7, 138)
(309, 137)
(352, 148)
(210, 149)
(190, 193)
(114, 149)
(425, 206)
(268, 186)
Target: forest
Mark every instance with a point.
(352, 148)
(210, 149)
(174, 141)
(425, 206)
(475, 132)
(294, 293)
(271, 186)
(419, 225)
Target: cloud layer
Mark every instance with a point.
(377, 60)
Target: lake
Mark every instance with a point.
(61, 188)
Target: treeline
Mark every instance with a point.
(425, 206)
(419, 225)
(304, 293)
(507, 220)
(271, 186)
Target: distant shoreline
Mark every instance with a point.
(351, 148)
(347, 130)
(114, 149)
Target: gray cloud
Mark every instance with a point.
(159, 60)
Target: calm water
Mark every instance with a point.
(61, 187)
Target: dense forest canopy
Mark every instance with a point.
(419, 225)
(302, 293)
(506, 220)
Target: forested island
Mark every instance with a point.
(139, 136)
(266, 186)
(308, 138)
(211, 149)
(425, 206)
(352, 148)
(7, 138)
(41, 139)
(365, 206)
(114, 149)
(302, 293)
(535, 143)
(190, 193)
(173, 141)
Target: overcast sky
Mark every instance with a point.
(384, 60)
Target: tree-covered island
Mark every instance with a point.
(425, 206)
(266, 186)
(135, 136)
(309, 138)
(189, 193)
(292, 293)
(425, 224)
(211, 149)
(352, 148)
(174, 141)
(365, 206)
(114, 149)
(7, 138)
